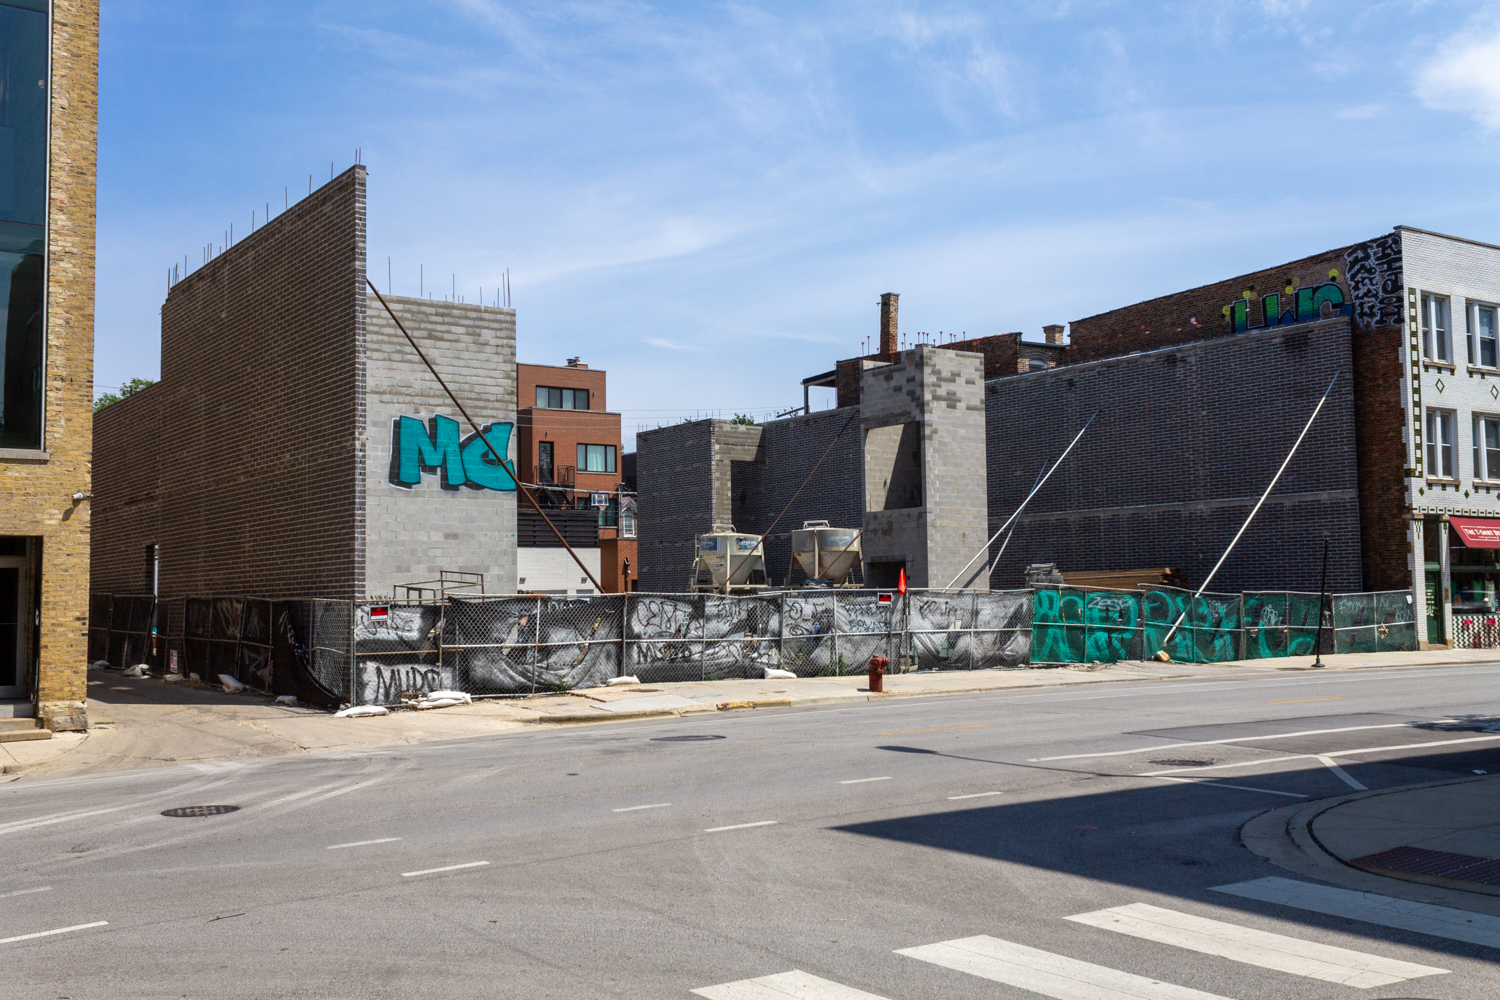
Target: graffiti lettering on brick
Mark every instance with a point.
(1302, 305)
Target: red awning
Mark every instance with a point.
(1478, 532)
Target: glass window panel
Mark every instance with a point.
(1488, 353)
(609, 458)
(1491, 448)
(23, 116)
(541, 395)
(583, 458)
(21, 294)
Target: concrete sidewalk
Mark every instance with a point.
(146, 722)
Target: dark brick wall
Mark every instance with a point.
(1186, 441)
(126, 505)
(1195, 314)
(256, 425)
(674, 496)
(790, 449)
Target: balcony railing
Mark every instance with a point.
(554, 475)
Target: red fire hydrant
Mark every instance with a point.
(877, 672)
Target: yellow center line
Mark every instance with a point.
(1298, 701)
(938, 729)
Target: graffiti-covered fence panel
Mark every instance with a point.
(1082, 626)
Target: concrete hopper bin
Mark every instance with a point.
(824, 553)
(720, 553)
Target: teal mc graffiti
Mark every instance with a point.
(417, 446)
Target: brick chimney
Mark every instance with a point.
(1053, 332)
(576, 363)
(888, 322)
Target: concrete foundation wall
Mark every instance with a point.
(1187, 439)
(412, 533)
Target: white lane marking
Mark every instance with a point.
(60, 930)
(796, 984)
(31, 824)
(445, 868)
(1211, 743)
(1330, 754)
(1223, 784)
(1344, 776)
(1045, 973)
(740, 826)
(631, 809)
(972, 795)
(25, 892)
(345, 791)
(361, 843)
(861, 781)
(298, 795)
(1256, 947)
(1373, 908)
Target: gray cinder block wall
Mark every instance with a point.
(789, 451)
(923, 424)
(1187, 440)
(413, 533)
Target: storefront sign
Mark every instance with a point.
(436, 446)
(1477, 532)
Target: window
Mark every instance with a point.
(1437, 344)
(1487, 448)
(554, 398)
(1484, 329)
(596, 458)
(23, 212)
(1036, 365)
(1440, 444)
(544, 462)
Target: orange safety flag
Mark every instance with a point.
(901, 582)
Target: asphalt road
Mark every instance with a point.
(617, 861)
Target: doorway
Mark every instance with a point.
(15, 628)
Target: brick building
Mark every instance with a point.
(1202, 391)
(49, 104)
(568, 444)
(296, 446)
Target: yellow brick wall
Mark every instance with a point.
(36, 496)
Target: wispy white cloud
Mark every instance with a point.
(1464, 75)
(1360, 112)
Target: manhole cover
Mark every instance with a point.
(684, 739)
(200, 810)
(1183, 762)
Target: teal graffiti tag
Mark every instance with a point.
(415, 449)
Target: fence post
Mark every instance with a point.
(353, 660)
(781, 630)
(833, 617)
(624, 632)
(536, 640)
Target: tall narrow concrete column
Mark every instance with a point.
(926, 506)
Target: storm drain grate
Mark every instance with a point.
(1437, 864)
(1181, 762)
(182, 811)
(684, 739)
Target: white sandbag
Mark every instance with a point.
(231, 685)
(195, 678)
(139, 670)
(617, 681)
(172, 678)
(437, 703)
(361, 711)
(287, 699)
(447, 696)
(772, 673)
(100, 665)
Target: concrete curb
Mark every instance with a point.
(1284, 838)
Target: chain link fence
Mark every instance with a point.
(332, 652)
(1076, 625)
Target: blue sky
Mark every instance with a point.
(708, 199)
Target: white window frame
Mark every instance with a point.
(1476, 311)
(1486, 460)
(1437, 337)
(1442, 429)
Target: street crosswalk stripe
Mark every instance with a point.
(1255, 947)
(1373, 908)
(795, 984)
(1045, 973)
